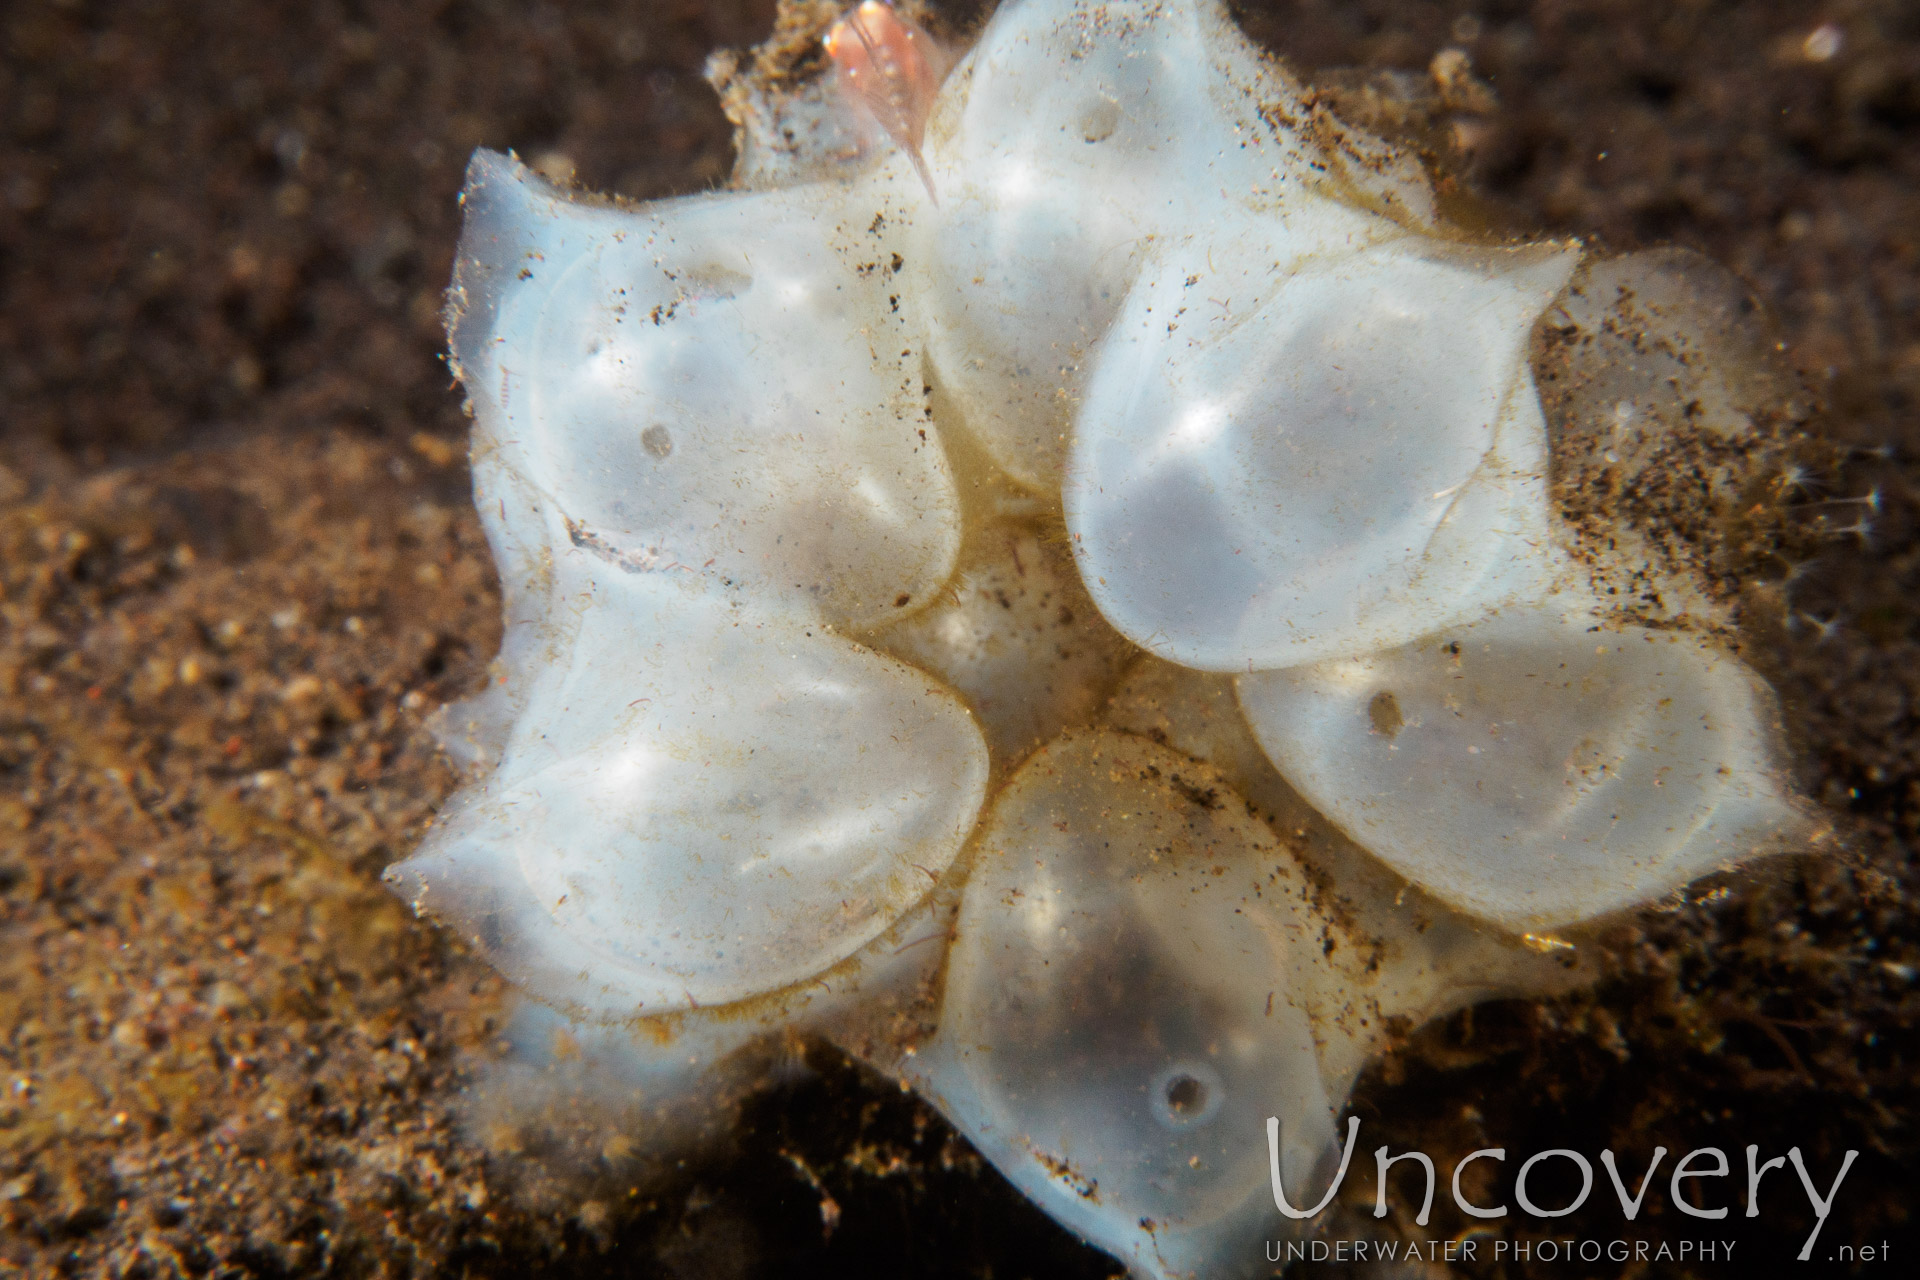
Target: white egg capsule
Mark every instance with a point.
(700, 804)
(1338, 463)
(1537, 768)
(1125, 1005)
(716, 386)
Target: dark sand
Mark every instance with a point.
(238, 567)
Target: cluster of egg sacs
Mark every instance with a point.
(1103, 596)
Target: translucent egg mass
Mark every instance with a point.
(1074, 582)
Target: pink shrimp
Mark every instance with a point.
(895, 69)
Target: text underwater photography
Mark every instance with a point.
(1528, 1243)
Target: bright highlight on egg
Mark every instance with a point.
(1099, 644)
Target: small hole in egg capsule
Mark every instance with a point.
(1097, 124)
(1384, 713)
(1186, 1094)
(657, 440)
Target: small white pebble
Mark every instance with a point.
(300, 688)
(1823, 43)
